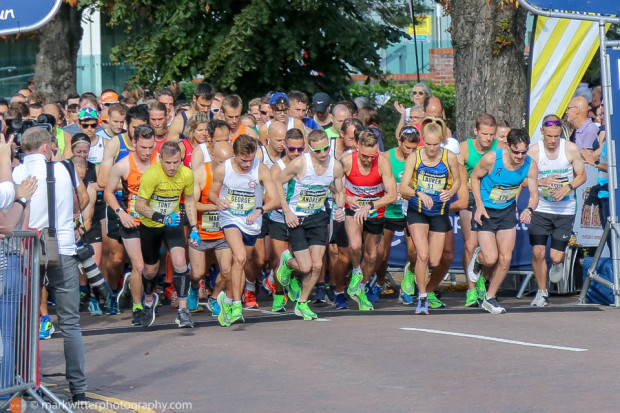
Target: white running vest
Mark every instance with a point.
(95, 154)
(245, 194)
(564, 169)
(311, 191)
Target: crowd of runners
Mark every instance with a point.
(202, 204)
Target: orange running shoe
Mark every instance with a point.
(249, 299)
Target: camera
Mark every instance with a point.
(89, 266)
(17, 127)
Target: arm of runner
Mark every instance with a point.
(280, 178)
(110, 148)
(338, 185)
(176, 129)
(216, 185)
(89, 211)
(453, 164)
(198, 160)
(116, 174)
(346, 162)
(272, 201)
(406, 191)
(68, 152)
(190, 202)
(526, 215)
(385, 170)
(401, 122)
(462, 200)
(463, 152)
(484, 166)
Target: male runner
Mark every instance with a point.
(158, 121)
(560, 171)
(370, 187)
(314, 173)
(158, 205)
(202, 100)
(495, 183)
(232, 106)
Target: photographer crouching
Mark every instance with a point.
(36, 144)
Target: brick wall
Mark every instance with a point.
(441, 69)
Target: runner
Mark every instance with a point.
(435, 179)
(158, 205)
(202, 100)
(237, 190)
(115, 121)
(394, 216)
(471, 151)
(196, 134)
(278, 230)
(232, 106)
(158, 121)
(304, 211)
(279, 105)
(129, 172)
(495, 183)
(560, 172)
(370, 187)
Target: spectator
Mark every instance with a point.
(419, 93)
(586, 131)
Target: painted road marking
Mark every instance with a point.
(499, 340)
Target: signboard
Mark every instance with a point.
(604, 7)
(422, 28)
(588, 223)
(24, 16)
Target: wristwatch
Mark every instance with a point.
(118, 210)
(570, 186)
(22, 201)
(596, 163)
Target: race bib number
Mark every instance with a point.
(431, 183)
(363, 201)
(131, 209)
(501, 194)
(210, 221)
(311, 200)
(241, 202)
(546, 191)
(165, 205)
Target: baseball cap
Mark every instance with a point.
(87, 114)
(109, 96)
(278, 98)
(320, 102)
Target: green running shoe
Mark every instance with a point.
(471, 299)
(236, 313)
(354, 285)
(408, 284)
(279, 306)
(434, 302)
(294, 290)
(224, 316)
(362, 301)
(302, 310)
(481, 288)
(283, 273)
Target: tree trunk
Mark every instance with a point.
(487, 82)
(59, 40)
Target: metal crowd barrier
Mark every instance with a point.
(20, 294)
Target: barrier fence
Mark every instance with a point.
(19, 321)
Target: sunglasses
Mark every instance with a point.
(371, 156)
(520, 153)
(319, 150)
(215, 110)
(553, 123)
(297, 148)
(263, 112)
(281, 110)
(409, 130)
(418, 92)
(89, 125)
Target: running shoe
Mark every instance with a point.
(405, 299)
(362, 301)
(408, 284)
(46, 328)
(192, 299)
(319, 294)
(184, 319)
(472, 298)
(203, 294)
(541, 299)
(556, 273)
(340, 302)
(474, 268)
(422, 307)
(492, 306)
(435, 302)
(354, 284)
(302, 310)
(481, 288)
(249, 299)
(236, 313)
(174, 300)
(224, 316)
(283, 273)
(279, 306)
(123, 298)
(294, 290)
(373, 292)
(111, 305)
(136, 316)
(214, 307)
(268, 286)
(148, 315)
(93, 306)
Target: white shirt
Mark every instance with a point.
(35, 165)
(7, 194)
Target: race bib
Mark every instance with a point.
(546, 191)
(431, 183)
(165, 205)
(241, 202)
(131, 209)
(501, 194)
(363, 201)
(311, 200)
(210, 221)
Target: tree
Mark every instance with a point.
(251, 47)
(55, 70)
(489, 65)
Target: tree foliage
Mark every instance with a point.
(257, 45)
